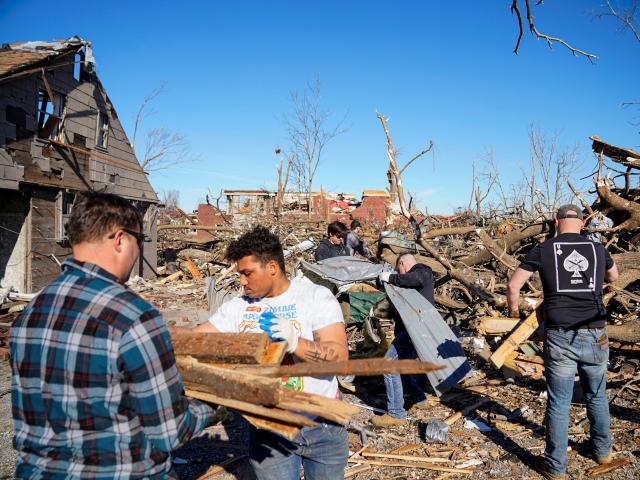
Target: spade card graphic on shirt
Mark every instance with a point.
(576, 265)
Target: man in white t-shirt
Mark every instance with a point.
(309, 319)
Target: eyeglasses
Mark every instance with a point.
(139, 236)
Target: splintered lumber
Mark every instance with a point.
(221, 467)
(222, 347)
(350, 472)
(275, 353)
(335, 410)
(252, 389)
(608, 467)
(406, 457)
(494, 325)
(511, 343)
(173, 276)
(287, 431)
(450, 420)
(424, 466)
(273, 414)
(193, 270)
(361, 367)
(229, 383)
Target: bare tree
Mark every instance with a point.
(309, 133)
(163, 148)
(282, 182)
(515, 8)
(484, 182)
(171, 198)
(627, 16)
(394, 175)
(550, 167)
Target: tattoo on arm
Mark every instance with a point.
(321, 353)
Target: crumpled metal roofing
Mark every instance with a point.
(341, 271)
(431, 336)
(16, 56)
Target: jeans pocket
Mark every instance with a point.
(600, 346)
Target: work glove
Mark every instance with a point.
(279, 329)
(384, 276)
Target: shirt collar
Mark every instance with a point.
(90, 269)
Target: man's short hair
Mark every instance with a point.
(95, 215)
(260, 243)
(408, 257)
(569, 211)
(337, 228)
(355, 224)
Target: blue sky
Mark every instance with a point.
(438, 70)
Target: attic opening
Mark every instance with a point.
(78, 66)
(51, 115)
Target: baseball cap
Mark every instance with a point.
(569, 211)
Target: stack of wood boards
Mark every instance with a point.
(243, 372)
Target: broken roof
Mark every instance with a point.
(18, 56)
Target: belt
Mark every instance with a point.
(586, 329)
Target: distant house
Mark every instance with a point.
(59, 135)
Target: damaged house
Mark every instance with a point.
(59, 135)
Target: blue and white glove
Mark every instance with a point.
(384, 276)
(279, 329)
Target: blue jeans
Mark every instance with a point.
(564, 351)
(401, 348)
(321, 450)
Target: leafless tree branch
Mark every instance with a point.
(628, 17)
(515, 8)
(309, 133)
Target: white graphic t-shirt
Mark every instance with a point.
(308, 306)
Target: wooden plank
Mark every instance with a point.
(494, 325)
(511, 343)
(274, 414)
(450, 420)
(193, 270)
(275, 353)
(362, 367)
(608, 467)
(222, 347)
(229, 383)
(287, 431)
(221, 467)
(332, 409)
(407, 457)
(425, 466)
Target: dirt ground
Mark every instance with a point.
(505, 451)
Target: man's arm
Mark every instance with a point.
(167, 417)
(407, 280)
(329, 345)
(205, 327)
(611, 275)
(517, 280)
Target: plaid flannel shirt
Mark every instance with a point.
(95, 388)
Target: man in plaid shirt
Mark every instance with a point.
(95, 388)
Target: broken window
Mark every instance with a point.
(78, 60)
(64, 204)
(51, 115)
(102, 134)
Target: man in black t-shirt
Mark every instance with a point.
(573, 270)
